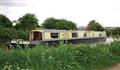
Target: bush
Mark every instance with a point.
(115, 48)
(7, 34)
(91, 58)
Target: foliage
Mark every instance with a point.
(52, 23)
(4, 21)
(116, 32)
(93, 25)
(7, 34)
(109, 32)
(115, 48)
(113, 32)
(64, 57)
(27, 22)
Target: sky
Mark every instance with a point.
(106, 12)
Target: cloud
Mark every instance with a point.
(12, 3)
(106, 12)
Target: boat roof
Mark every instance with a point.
(58, 30)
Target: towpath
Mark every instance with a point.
(114, 67)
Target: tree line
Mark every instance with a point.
(28, 22)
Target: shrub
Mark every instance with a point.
(7, 34)
(115, 48)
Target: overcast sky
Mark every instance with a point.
(106, 12)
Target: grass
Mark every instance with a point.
(62, 57)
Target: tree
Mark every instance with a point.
(8, 34)
(27, 22)
(109, 32)
(52, 23)
(5, 21)
(93, 25)
(116, 32)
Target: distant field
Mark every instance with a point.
(62, 57)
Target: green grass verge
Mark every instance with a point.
(62, 57)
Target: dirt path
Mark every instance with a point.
(115, 67)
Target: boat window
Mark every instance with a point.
(74, 34)
(85, 34)
(54, 35)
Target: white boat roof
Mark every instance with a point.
(57, 30)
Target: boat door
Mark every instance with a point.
(35, 36)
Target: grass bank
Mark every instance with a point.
(62, 57)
